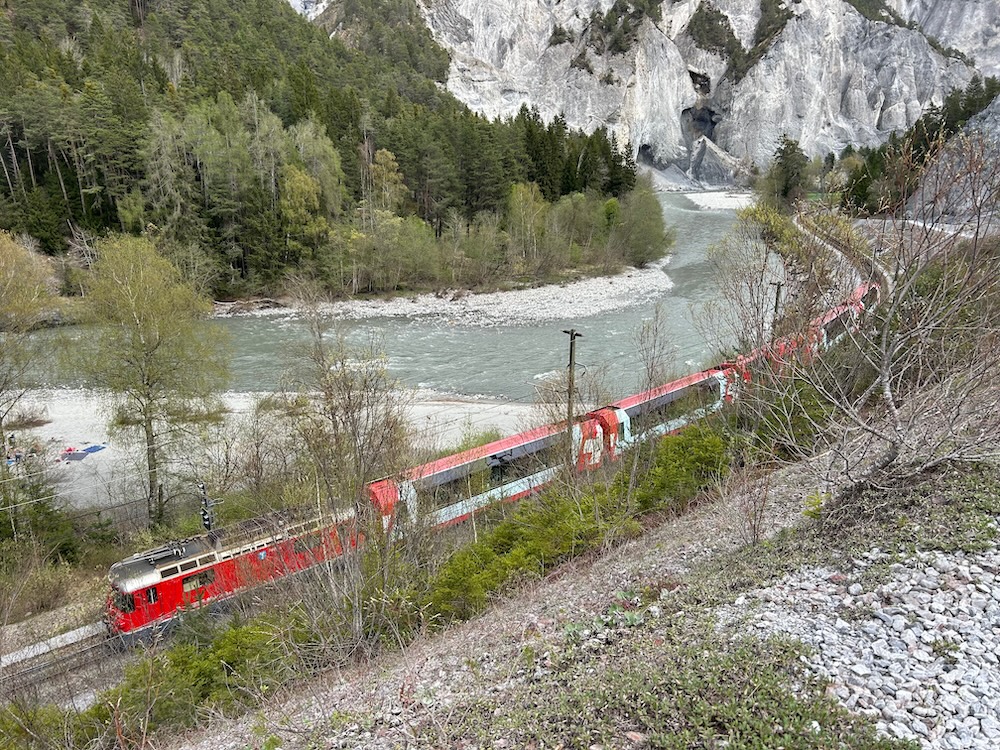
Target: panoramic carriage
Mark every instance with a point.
(832, 325)
(450, 490)
(662, 410)
(824, 332)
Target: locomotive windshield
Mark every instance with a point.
(123, 602)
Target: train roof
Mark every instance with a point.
(148, 568)
(630, 402)
(510, 447)
(143, 568)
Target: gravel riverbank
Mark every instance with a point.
(89, 466)
(584, 298)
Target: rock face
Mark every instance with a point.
(309, 8)
(834, 78)
(960, 187)
(830, 77)
(502, 58)
(972, 26)
(987, 122)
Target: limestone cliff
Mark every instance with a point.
(824, 75)
(971, 26)
(829, 78)
(309, 8)
(833, 78)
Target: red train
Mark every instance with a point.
(150, 588)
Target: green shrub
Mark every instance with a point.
(876, 10)
(29, 515)
(539, 536)
(31, 727)
(684, 464)
(173, 688)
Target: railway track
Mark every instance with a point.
(61, 654)
(849, 254)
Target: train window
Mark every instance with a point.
(498, 468)
(167, 572)
(308, 543)
(676, 404)
(151, 595)
(501, 471)
(204, 578)
(188, 565)
(836, 328)
(206, 560)
(123, 602)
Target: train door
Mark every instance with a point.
(148, 601)
(589, 437)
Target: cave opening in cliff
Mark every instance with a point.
(700, 121)
(645, 156)
(701, 82)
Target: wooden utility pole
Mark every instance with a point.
(573, 336)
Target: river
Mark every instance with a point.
(439, 354)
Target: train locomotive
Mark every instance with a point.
(149, 589)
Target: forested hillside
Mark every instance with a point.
(247, 144)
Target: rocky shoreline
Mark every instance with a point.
(583, 298)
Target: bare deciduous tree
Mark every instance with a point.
(350, 414)
(914, 384)
(910, 383)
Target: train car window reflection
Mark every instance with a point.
(124, 602)
(198, 580)
(835, 329)
(308, 543)
(151, 595)
(678, 404)
(489, 474)
(498, 468)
